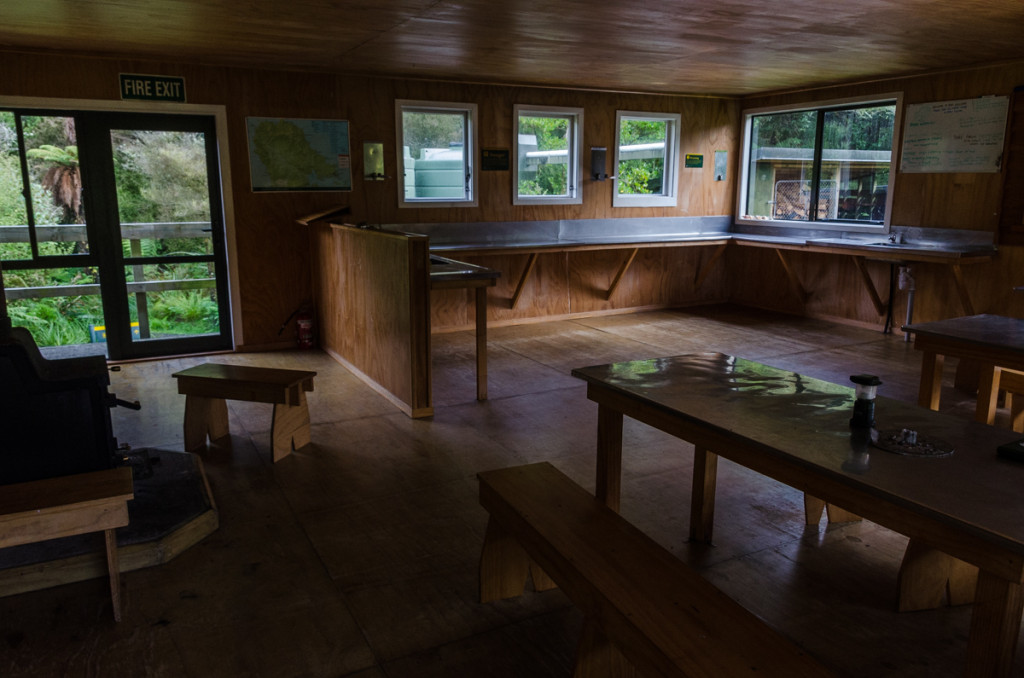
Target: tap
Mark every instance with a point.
(896, 238)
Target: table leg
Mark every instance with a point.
(609, 456)
(995, 625)
(931, 380)
(988, 393)
(290, 427)
(813, 508)
(929, 579)
(702, 498)
(481, 343)
(204, 417)
(114, 571)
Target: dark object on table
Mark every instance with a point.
(1013, 451)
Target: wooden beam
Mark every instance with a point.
(622, 271)
(794, 281)
(961, 289)
(523, 278)
(870, 284)
(703, 271)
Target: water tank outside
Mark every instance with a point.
(438, 173)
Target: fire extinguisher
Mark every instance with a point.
(304, 329)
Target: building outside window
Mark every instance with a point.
(436, 149)
(547, 149)
(830, 164)
(646, 159)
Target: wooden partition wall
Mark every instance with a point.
(372, 291)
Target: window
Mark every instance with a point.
(547, 148)
(829, 164)
(436, 147)
(646, 159)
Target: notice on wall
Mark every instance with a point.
(955, 136)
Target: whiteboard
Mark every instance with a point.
(955, 136)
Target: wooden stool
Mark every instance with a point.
(69, 505)
(206, 387)
(1012, 382)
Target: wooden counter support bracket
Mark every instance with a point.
(644, 609)
(703, 271)
(961, 289)
(68, 505)
(622, 271)
(523, 278)
(870, 285)
(794, 281)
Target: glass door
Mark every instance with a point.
(51, 278)
(163, 265)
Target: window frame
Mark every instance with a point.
(470, 140)
(574, 176)
(670, 176)
(850, 226)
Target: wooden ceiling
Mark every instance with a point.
(724, 47)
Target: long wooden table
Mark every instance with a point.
(991, 342)
(795, 429)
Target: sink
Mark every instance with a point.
(853, 242)
(904, 245)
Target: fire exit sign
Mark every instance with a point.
(152, 87)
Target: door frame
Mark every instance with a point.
(219, 114)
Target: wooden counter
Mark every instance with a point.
(373, 300)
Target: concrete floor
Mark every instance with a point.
(356, 556)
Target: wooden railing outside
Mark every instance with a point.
(135, 233)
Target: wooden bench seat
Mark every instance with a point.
(68, 505)
(206, 387)
(643, 606)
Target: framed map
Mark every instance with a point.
(297, 154)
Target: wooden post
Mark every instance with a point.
(609, 456)
(702, 498)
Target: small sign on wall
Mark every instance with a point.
(694, 160)
(494, 159)
(152, 87)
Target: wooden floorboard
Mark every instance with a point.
(356, 555)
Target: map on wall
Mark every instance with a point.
(296, 154)
(955, 136)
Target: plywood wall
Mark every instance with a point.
(962, 201)
(273, 260)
